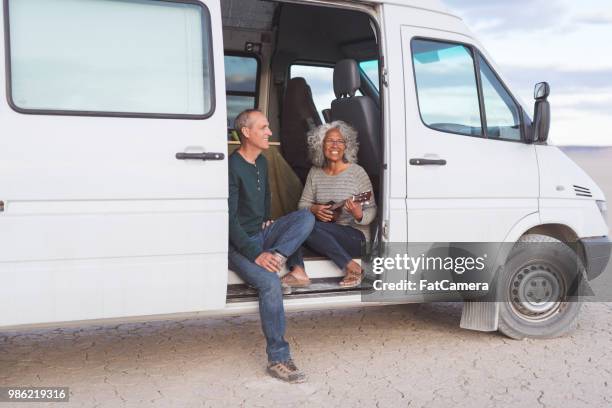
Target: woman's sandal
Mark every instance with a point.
(294, 282)
(352, 279)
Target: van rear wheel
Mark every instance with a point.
(538, 288)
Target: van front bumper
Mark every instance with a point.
(597, 254)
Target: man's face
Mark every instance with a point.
(259, 132)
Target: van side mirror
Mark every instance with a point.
(541, 91)
(541, 112)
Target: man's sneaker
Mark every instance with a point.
(286, 371)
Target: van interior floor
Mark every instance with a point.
(318, 287)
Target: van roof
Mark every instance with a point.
(431, 5)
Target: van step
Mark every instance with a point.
(321, 285)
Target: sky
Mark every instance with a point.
(567, 43)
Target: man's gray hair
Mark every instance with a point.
(243, 120)
(317, 136)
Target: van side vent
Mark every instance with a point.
(582, 191)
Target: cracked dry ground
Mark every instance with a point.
(390, 356)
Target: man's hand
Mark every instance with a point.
(268, 261)
(266, 224)
(355, 209)
(322, 212)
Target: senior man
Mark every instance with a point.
(259, 247)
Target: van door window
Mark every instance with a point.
(370, 68)
(241, 87)
(111, 57)
(502, 113)
(446, 84)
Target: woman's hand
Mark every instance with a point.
(354, 208)
(322, 212)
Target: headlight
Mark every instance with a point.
(603, 208)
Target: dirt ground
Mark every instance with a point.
(390, 356)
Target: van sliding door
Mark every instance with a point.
(100, 217)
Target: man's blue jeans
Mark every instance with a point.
(285, 235)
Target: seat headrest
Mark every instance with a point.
(346, 78)
(297, 82)
(297, 87)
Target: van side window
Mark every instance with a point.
(321, 82)
(446, 87)
(241, 86)
(502, 113)
(139, 58)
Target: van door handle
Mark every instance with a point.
(200, 156)
(425, 162)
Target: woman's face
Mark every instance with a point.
(334, 145)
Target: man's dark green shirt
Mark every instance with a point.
(249, 202)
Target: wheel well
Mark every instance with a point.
(564, 234)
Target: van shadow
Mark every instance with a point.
(209, 347)
(436, 320)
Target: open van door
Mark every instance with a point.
(113, 167)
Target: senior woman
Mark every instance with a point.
(335, 176)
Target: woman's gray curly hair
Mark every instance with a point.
(317, 136)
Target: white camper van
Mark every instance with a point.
(114, 138)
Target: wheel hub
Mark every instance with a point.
(536, 291)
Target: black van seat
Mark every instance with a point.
(326, 115)
(299, 115)
(360, 112)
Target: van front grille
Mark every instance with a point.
(582, 191)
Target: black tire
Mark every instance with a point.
(554, 272)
